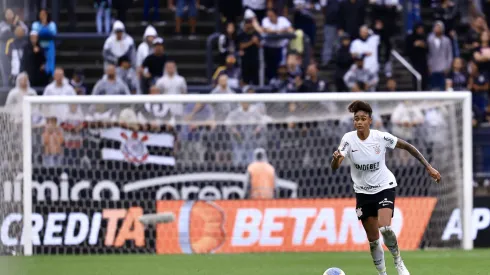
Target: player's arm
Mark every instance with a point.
(337, 160)
(416, 153)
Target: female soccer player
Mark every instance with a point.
(374, 184)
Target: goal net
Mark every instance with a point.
(241, 173)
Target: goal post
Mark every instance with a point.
(460, 106)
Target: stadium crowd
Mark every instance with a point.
(261, 36)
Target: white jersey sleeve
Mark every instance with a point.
(344, 146)
(389, 140)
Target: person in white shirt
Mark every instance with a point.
(274, 50)
(374, 183)
(172, 83)
(146, 47)
(367, 45)
(60, 86)
(257, 6)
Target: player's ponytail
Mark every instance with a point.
(359, 105)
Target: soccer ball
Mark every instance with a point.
(334, 271)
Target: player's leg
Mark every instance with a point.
(385, 214)
(370, 225)
(367, 213)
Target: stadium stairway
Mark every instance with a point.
(87, 55)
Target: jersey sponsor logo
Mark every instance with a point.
(370, 187)
(368, 167)
(390, 140)
(385, 202)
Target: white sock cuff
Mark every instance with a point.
(375, 242)
(385, 229)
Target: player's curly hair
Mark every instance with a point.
(359, 105)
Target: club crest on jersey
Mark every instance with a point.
(134, 148)
(377, 150)
(359, 212)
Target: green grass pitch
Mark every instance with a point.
(446, 262)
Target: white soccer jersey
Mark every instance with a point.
(367, 160)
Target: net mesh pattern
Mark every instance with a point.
(85, 157)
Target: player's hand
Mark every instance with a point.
(434, 174)
(337, 155)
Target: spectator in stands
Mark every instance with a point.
(298, 85)
(367, 46)
(47, 31)
(457, 79)
(358, 73)
(416, 47)
(273, 49)
(478, 84)
(331, 9)
(148, 4)
(257, 6)
(249, 43)
(15, 50)
(406, 117)
(122, 7)
(440, 56)
(153, 65)
(103, 8)
(280, 83)
(16, 95)
(9, 24)
(352, 15)
(313, 82)
(385, 12)
(247, 129)
(227, 42)
(60, 85)
(448, 13)
(478, 26)
(231, 70)
(481, 54)
(171, 83)
(343, 60)
(34, 62)
(391, 85)
(73, 125)
(146, 47)
(71, 4)
(221, 110)
(110, 84)
(258, 107)
(53, 143)
(128, 75)
(304, 19)
(77, 82)
(118, 44)
(191, 14)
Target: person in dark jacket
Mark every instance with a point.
(352, 16)
(331, 12)
(227, 42)
(34, 62)
(14, 50)
(416, 48)
(344, 62)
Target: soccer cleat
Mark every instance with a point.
(401, 268)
